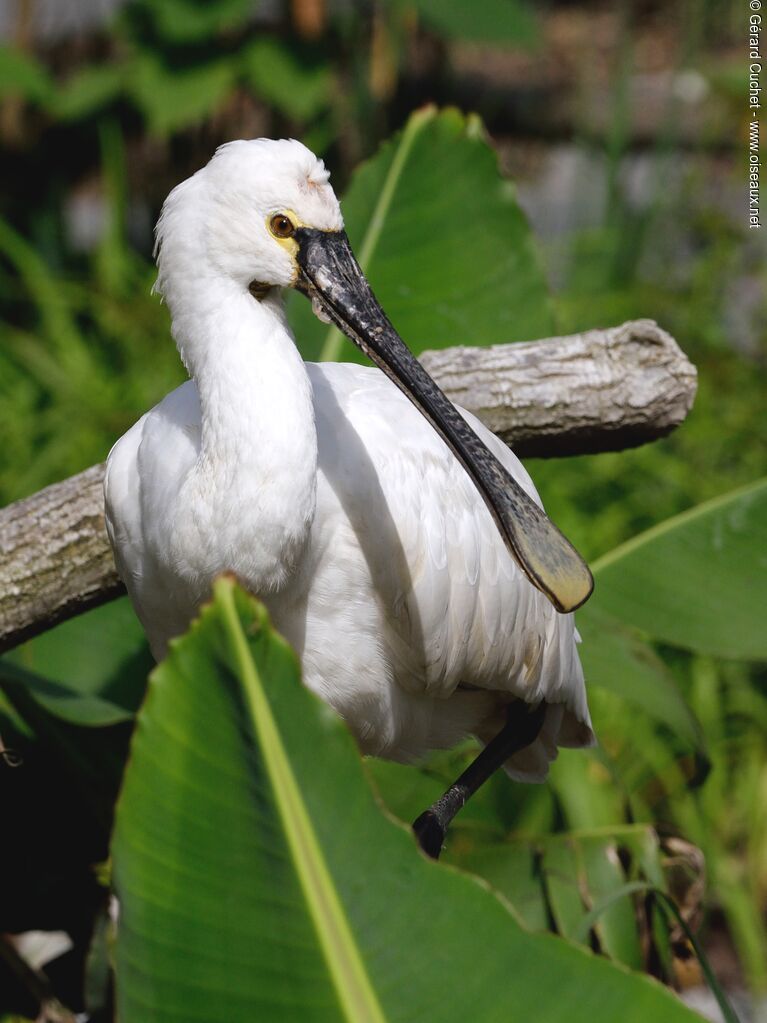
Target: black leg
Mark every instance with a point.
(521, 728)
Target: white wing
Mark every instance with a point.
(460, 612)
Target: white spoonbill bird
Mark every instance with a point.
(399, 546)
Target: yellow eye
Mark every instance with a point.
(282, 226)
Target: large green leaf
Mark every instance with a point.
(65, 702)
(698, 580)
(443, 241)
(258, 878)
(617, 659)
(90, 670)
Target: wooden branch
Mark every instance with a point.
(55, 560)
(598, 391)
(604, 390)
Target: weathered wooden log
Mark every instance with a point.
(55, 560)
(598, 391)
(603, 390)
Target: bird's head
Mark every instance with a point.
(238, 217)
(262, 216)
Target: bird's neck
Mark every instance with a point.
(252, 491)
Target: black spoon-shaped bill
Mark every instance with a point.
(331, 276)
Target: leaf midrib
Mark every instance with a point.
(669, 525)
(353, 987)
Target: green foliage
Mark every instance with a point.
(163, 69)
(84, 361)
(694, 581)
(731, 703)
(172, 99)
(298, 82)
(231, 866)
(185, 21)
(577, 881)
(22, 75)
(617, 659)
(87, 92)
(89, 670)
(497, 21)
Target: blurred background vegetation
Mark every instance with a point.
(623, 127)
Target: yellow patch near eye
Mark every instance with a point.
(282, 226)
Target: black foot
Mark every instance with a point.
(521, 728)
(430, 833)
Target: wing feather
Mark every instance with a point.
(143, 468)
(471, 618)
